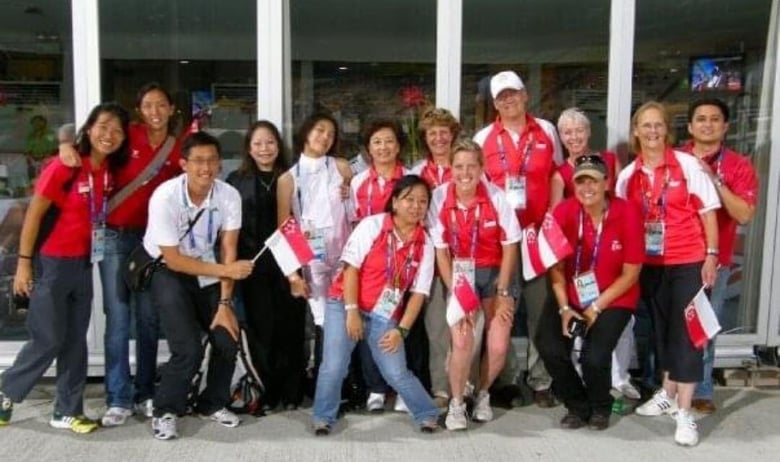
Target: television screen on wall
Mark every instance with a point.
(717, 73)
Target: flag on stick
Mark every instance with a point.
(290, 247)
(700, 319)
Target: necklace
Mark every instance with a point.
(268, 185)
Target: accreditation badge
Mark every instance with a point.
(388, 301)
(316, 239)
(654, 238)
(465, 267)
(587, 288)
(98, 247)
(516, 191)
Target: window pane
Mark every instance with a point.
(36, 97)
(705, 48)
(379, 53)
(559, 49)
(203, 52)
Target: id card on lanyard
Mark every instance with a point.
(585, 283)
(315, 236)
(97, 220)
(515, 186)
(465, 266)
(655, 228)
(207, 253)
(392, 294)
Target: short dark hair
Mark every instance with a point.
(379, 124)
(406, 183)
(196, 139)
(307, 126)
(717, 102)
(248, 165)
(117, 158)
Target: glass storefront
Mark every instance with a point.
(36, 97)
(360, 60)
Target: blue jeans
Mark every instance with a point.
(117, 300)
(705, 388)
(337, 349)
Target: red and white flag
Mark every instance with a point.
(464, 300)
(290, 247)
(701, 321)
(541, 249)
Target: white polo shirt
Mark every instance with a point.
(170, 212)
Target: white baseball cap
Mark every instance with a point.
(505, 80)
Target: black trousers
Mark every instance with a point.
(590, 394)
(667, 290)
(275, 323)
(186, 312)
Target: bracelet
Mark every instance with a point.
(225, 301)
(713, 251)
(350, 307)
(403, 331)
(595, 308)
(503, 292)
(563, 308)
(24, 257)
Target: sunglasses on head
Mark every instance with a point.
(589, 159)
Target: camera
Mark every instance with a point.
(577, 327)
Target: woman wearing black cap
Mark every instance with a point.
(596, 289)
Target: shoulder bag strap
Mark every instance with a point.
(146, 174)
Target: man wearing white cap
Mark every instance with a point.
(521, 153)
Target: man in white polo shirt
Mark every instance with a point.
(193, 293)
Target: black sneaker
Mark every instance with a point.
(598, 422)
(321, 429)
(572, 421)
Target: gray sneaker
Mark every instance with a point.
(164, 427)
(115, 416)
(145, 408)
(456, 416)
(224, 417)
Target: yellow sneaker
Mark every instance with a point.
(76, 424)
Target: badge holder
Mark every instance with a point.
(587, 288)
(516, 191)
(654, 238)
(388, 301)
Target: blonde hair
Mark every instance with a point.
(469, 145)
(434, 117)
(668, 140)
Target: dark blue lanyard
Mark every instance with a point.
(595, 253)
(526, 155)
(391, 275)
(298, 181)
(95, 217)
(454, 233)
(210, 229)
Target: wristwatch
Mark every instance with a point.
(503, 292)
(563, 308)
(403, 331)
(713, 251)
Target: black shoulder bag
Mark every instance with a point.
(141, 266)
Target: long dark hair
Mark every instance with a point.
(406, 184)
(117, 158)
(154, 86)
(306, 128)
(248, 165)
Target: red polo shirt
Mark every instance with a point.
(133, 212)
(368, 250)
(678, 192)
(538, 165)
(369, 195)
(433, 174)
(453, 225)
(619, 244)
(566, 171)
(71, 235)
(738, 174)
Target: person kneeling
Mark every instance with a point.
(187, 215)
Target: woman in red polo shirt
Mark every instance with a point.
(597, 291)
(475, 232)
(678, 203)
(370, 189)
(67, 217)
(387, 256)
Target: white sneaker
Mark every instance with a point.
(224, 417)
(687, 433)
(375, 402)
(400, 406)
(145, 408)
(456, 416)
(482, 410)
(115, 416)
(164, 428)
(659, 404)
(628, 390)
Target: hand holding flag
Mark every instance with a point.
(289, 247)
(464, 300)
(700, 320)
(542, 249)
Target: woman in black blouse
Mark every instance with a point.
(274, 319)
